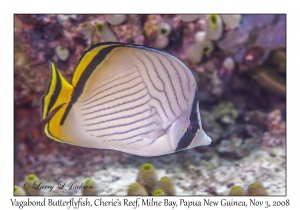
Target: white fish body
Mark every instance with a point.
(129, 98)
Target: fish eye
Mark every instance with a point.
(193, 128)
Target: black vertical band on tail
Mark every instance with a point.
(85, 76)
(56, 91)
(185, 140)
(189, 136)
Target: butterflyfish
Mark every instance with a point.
(125, 97)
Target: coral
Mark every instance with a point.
(90, 188)
(256, 189)
(32, 180)
(263, 20)
(62, 53)
(277, 59)
(225, 112)
(216, 84)
(237, 191)
(253, 56)
(200, 37)
(231, 21)
(147, 183)
(139, 39)
(151, 26)
(166, 184)
(62, 18)
(202, 46)
(272, 34)
(273, 118)
(228, 63)
(158, 192)
(21, 60)
(214, 27)
(236, 147)
(194, 53)
(264, 33)
(164, 28)
(239, 139)
(210, 67)
(267, 79)
(105, 33)
(115, 19)
(128, 33)
(147, 177)
(19, 191)
(276, 129)
(100, 27)
(272, 74)
(189, 18)
(213, 128)
(88, 30)
(207, 47)
(256, 117)
(136, 189)
(161, 41)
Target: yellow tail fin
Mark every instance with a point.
(59, 92)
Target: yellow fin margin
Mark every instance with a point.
(86, 60)
(53, 127)
(59, 92)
